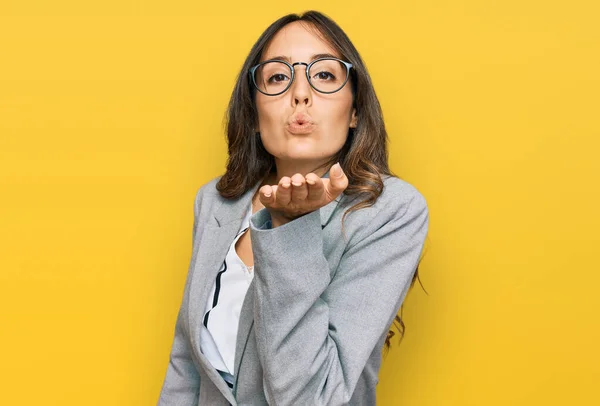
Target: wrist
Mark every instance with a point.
(278, 220)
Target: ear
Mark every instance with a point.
(354, 119)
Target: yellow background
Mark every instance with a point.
(111, 119)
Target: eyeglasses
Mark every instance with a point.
(325, 75)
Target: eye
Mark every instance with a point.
(278, 78)
(324, 75)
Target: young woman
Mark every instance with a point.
(305, 248)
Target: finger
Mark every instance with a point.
(266, 195)
(299, 189)
(338, 181)
(315, 187)
(284, 192)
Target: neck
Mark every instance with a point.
(290, 168)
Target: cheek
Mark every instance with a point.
(338, 118)
(269, 111)
(340, 107)
(269, 117)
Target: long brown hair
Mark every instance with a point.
(364, 156)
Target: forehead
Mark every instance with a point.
(298, 41)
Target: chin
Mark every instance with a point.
(301, 155)
(302, 148)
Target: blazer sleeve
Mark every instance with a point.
(182, 381)
(315, 334)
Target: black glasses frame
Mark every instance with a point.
(253, 69)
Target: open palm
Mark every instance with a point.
(299, 195)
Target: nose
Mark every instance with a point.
(301, 89)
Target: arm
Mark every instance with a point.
(315, 334)
(182, 381)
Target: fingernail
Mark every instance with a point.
(310, 181)
(267, 194)
(296, 184)
(285, 185)
(336, 170)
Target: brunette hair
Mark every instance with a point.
(363, 157)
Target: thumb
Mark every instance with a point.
(338, 181)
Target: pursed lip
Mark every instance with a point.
(300, 118)
(300, 123)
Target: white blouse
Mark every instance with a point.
(222, 312)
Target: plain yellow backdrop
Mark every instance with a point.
(111, 119)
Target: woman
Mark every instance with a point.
(306, 247)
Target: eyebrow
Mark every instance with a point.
(312, 58)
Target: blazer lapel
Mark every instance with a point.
(213, 248)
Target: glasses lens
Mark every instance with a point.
(328, 75)
(272, 77)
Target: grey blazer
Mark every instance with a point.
(317, 312)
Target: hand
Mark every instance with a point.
(296, 196)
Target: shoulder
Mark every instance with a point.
(209, 188)
(207, 194)
(399, 205)
(397, 197)
(399, 194)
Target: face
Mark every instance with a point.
(303, 126)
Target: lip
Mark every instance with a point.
(305, 128)
(300, 123)
(300, 118)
